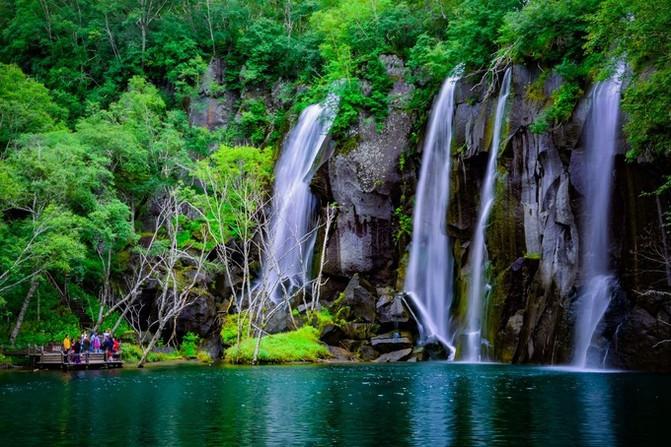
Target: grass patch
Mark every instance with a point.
(533, 256)
(204, 357)
(301, 345)
(133, 353)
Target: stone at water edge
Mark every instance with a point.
(341, 354)
(395, 356)
(367, 353)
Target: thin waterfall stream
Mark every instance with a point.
(477, 287)
(291, 236)
(601, 146)
(429, 278)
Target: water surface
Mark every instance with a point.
(359, 405)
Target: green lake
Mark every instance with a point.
(435, 404)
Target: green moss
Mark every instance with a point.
(301, 345)
(348, 145)
(534, 256)
(496, 300)
(535, 91)
(322, 319)
(403, 223)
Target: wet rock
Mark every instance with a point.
(359, 331)
(367, 353)
(395, 356)
(391, 341)
(200, 317)
(279, 321)
(434, 350)
(642, 340)
(360, 300)
(214, 107)
(351, 345)
(391, 309)
(364, 180)
(212, 113)
(340, 354)
(212, 345)
(331, 334)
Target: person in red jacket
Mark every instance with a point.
(115, 347)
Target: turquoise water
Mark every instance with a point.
(356, 405)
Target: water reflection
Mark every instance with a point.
(365, 405)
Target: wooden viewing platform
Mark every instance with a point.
(87, 360)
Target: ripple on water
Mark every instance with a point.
(431, 403)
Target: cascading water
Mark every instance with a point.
(429, 278)
(291, 237)
(476, 291)
(602, 133)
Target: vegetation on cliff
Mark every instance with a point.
(107, 189)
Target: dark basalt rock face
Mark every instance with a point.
(533, 239)
(364, 180)
(214, 107)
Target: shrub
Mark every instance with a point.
(189, 346)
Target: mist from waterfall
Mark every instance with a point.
(601, 145)
(429, 277)
(291, 236)
(477, 255)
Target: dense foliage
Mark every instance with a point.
(95, 96)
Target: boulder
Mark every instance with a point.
(391, 341)
(394, 356)
(434, 350)
(279, 321)
(366, 352)
(331, 334)
(391, 309)
(341, 354)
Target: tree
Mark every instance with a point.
(176, 269)
(25, 106)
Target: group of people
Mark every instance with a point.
(76, 347)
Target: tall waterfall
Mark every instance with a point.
(602, 133)
(291, 236)
(429, 278)
(476, 290)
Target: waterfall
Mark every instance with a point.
(291, 236)
(429, 278)
(602, 133)
(476, 289)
